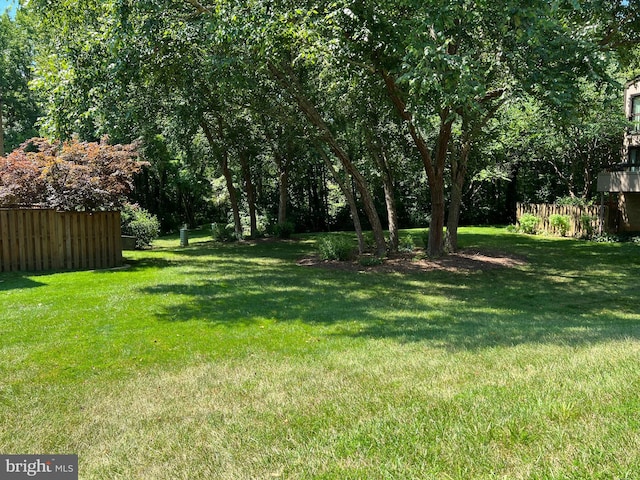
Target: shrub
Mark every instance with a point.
(139, 223)
(573, 201)
(561, 223)
(425, 238)
(622, 237)
(370, 260)
(512, 229)
(223, 233)
(283, 230)
(586, 221)
(335, 248)
(606, 238)
(528, 223)
(69, 176)
(407, 244)
(369, 240)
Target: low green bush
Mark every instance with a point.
(425, 238)
(407, 244)
(223, 233)
(370, 260)
(529, 223)
(586, 221)
(560, 223)
(622, 237)
(606, 238)
(139, 223)
(336, 248)
(283, 230)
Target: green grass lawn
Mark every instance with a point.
(232, 362)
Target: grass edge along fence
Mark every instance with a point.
(584, 221)
(44, 239)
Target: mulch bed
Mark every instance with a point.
(463, 261)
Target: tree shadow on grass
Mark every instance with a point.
(554, 300)
(523, 310)
(16, 281)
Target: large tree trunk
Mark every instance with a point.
(433, 165)
(451, 236)
(233, 195)
(226, 172)
(289, 82)
(251, 196)
(392, 214)
(380, 156)
(435, 243)
(283, 188)
(458, 174)
(351, 201)
(471, 126)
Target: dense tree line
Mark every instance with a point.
(336, 114)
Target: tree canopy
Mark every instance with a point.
(388, 113)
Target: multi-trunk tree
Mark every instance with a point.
(377, 86)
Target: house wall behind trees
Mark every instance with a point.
(629, 208)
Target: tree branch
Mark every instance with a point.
(198, 6)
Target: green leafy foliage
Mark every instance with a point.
(68, 176)
(18, 104)
(336, 247)
(236, 73)
(139, 223)
(529, 223)
(573, 201)
(407, 243)
(586, 222)
(370, 260)
(561, 223)
(284, 230)
(223, 232)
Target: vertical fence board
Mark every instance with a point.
(21, 245)
(98, 239)
(14, 248)
(38, 230)
(58, 230)
(108, 239)
(29, 243)
(115, 239)
(82, 247)
(5, 249)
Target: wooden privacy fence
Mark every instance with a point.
(578, 226)
(35, 239)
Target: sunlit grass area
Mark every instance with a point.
(231, 361)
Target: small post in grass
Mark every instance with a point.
(184, 236)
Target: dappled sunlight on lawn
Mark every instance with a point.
(543, 300)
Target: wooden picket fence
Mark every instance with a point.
(575, 214)
(42, 239)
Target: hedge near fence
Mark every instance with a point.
(39, 239)
(583, 221)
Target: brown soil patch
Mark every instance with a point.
(462, 261)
